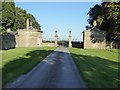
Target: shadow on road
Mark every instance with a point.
(56, 71)
(22, 65)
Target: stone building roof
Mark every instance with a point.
(12, 32)
(31, 29)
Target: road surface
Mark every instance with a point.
(57, 70)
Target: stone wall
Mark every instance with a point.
(77, 44)
(7, 41)
(48, 44)
(113, 44)
(28, 38)
(90, 44)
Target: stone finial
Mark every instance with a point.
(27, 24)
(70, 34)
(8, 30)
(56, 34)
(95, 23)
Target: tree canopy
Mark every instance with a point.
(107, 16)
(8, 16)
(15, 18)
(21, 17)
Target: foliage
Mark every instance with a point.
(107, 16)
(21, 17)
(8, 16)
(14, 17)
(94, 13)
(34, 22)
(111, 14)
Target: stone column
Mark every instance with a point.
(56, 39)
(70, 39)
(27, 24)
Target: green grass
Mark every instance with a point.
(99, 68)
(18, 61)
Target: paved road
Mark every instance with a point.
(57, 70)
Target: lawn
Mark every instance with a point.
(99, 68)
(18, 61)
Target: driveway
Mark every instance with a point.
(57, 70)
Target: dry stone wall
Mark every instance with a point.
(7, 41)
(48, 44)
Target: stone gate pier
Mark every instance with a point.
(56, 39)
(94, 38)
(70, 39)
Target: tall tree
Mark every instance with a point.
(107, 16)
(0, 17)
(21, 17)
(8, 16)
(95, 13)
(111, 12)
(14, 17)
(35, 24)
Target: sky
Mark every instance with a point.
(60, 16)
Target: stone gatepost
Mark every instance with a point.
(70, 39)
(27, 24)
(56, 39)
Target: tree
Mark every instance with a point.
(8, 16)
(35, 24)
(111, 12)
(95, 13)
(107, 16)
(20, 18)
(14, 17)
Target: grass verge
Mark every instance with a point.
(19, 61)
(99, 68)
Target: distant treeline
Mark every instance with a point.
(107, 16)
(15, 18)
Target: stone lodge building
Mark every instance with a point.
(29, 37)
